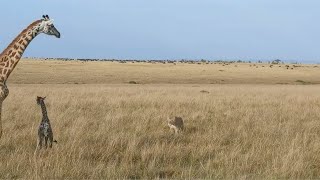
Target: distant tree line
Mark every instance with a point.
(202, 61)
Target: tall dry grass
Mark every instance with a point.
(120, 131)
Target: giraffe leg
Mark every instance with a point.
(0, 119)
(46, 142)
(4, 91)
(50, 141)
(40, 142)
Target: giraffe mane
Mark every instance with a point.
(18, 37)
(48, 22)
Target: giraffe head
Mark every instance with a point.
(40, 99)
(46, 26)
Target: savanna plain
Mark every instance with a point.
(110, 121)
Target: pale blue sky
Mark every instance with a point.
(170, 29)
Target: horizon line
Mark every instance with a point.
(175, 60)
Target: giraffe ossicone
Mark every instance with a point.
(10, 57)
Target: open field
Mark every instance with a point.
(107, 128)
(76, 72)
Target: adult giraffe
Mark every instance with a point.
(10, 57)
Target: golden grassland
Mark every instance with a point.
(107, 128)
(76, 72)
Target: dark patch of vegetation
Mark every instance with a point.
(204, 91)
(303, 82)
(133, 82)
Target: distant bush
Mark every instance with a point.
(133, 82)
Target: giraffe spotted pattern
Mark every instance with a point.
(10, 57)
(45, 131)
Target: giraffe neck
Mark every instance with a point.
(10, 57)
(44, 111)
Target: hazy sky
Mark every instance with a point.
(170, 29)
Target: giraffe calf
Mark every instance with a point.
(45, 131)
